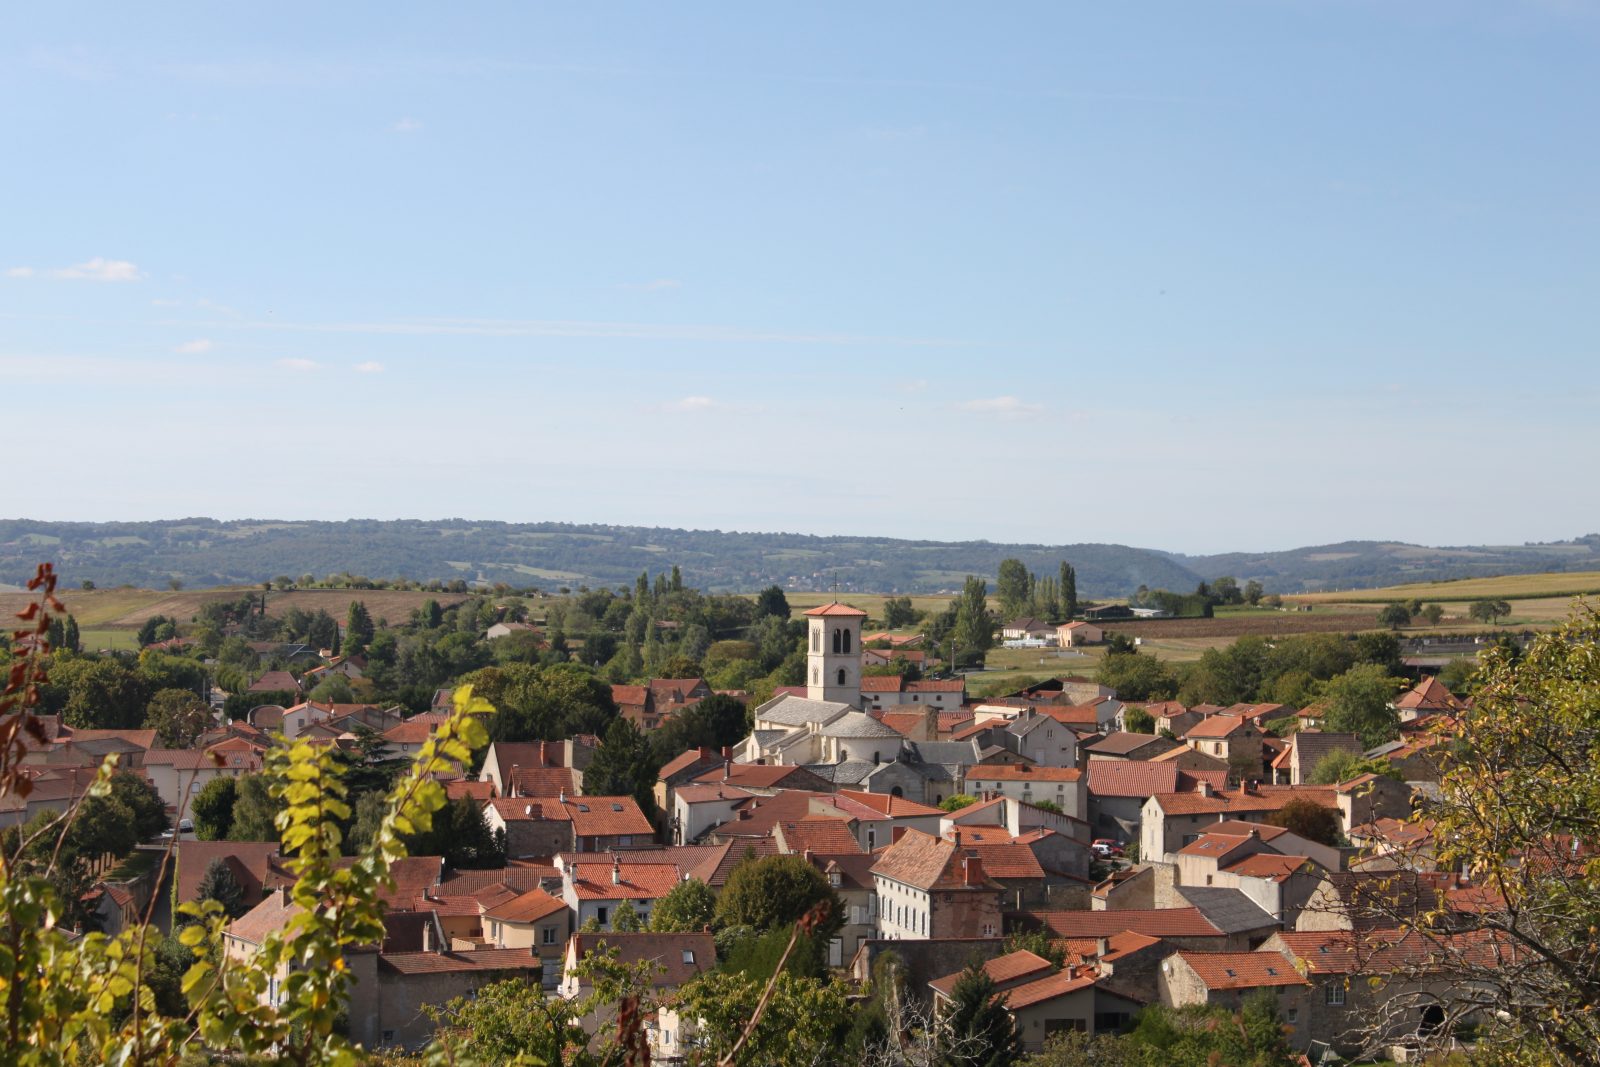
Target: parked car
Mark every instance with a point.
(185, 826)
(1105, 848)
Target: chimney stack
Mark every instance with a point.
(616, 872)
(972, 870)
(1103, 946)
(896, 833)
(955, 836)
(727, 754)
(512, 791)
(427, 937)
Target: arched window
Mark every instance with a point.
(837, 641)
(841, 676)
(846, 635)
(897, 792)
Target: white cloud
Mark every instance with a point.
(99, 269)
(406, 125)
(1007, 407)
(371, 366)
(199, 346)
(692, 403)
(298, 364)
(20, 272)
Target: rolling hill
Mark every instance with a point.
(202, 553)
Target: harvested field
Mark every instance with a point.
(129, 608)
(1561, 584)
(1281, 624)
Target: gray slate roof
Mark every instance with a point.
(1229, 910)
(799, 711)
(850, 772)
(856, 724)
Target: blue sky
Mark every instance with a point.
(1197, 276)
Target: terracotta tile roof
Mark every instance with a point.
(1215, 727)
(1262, 799)
(255, 866)
(1242, 970)
(678, 957)
(892, 806)
(629, 694)
(938, 685)
(1268, 865)
(699, 794)
(275, 681)
(1156, 922)
(686, 759)
(636, 881)
(1005, 860)
(1126, 942)
(904, 722)
(1072, 715)
(835, 610)
(1056, 985)
(1213, 844)
(761, 775)
(735, 853)
(476, 790)
(1136, 778)
(473, 883)
(608, 817)
(524, 809)
(1009, 968)
(526, 908)
(190, 759)
(1430, 694)
(1023, 772)
(882, 683)
(816, 835)
(926, 862)
(69, 735)
(855, 868)
(271, 914)
(483, 959)
(545, 782)
(973, 730)
(415, 730)
(759, 815)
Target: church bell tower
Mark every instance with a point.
(833, 653)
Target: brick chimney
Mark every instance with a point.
(896, 833)
(511, 782)
(727, 754)
(972, 870)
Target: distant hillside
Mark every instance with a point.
(1365, 564)
(204, 552)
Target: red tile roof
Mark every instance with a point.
(526, 908)
(1134, 778)
(892, 806)
(476, 790)
(629, 694)
(1267, 865)
(686, 759)
(926, 862)
(1005, 969)
(635, 881)
(882, 683)
(1022, 772)
(938, 685)
(1056, 985)
(415, 730)
(1217, 726)
(835, 610)
(1262, 799)
(816, 835)
(1157, 922)
(677, 957)
(760, 775)
(480, 960)
(608, 817)
(540, 781)
(1242, 970)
